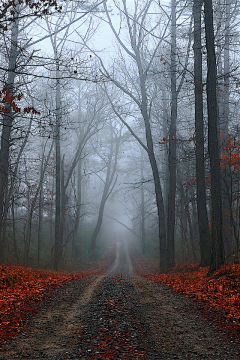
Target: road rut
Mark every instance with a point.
(119, 316)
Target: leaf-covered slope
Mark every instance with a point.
(21, 290)
(219, 292)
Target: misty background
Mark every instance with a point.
(99, 130)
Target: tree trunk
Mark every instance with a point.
(14, 232)
(75, 240)
(159, 199)
(57, 243)
(172, 146)
(8, 118)
(143, 232)
(33, 204)
(204, 233)
(98, 225)
(184, 229)
(40, 204)
(108, 187)
(191, 234)
(226, 65)
(40, 224)
(213, 142)
(165, 151)
(63, 206)
(157, 184)
(226, 199)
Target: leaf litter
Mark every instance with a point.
(21, 291)
(217, 296)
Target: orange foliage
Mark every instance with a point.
(166, 139)
(21, 289)
(231, 157)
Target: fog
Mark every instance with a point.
(100, 135)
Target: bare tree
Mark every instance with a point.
(109, 181)
(8, 118)
(213, 142)
(203, 226)
(136, 31)
(58, 45)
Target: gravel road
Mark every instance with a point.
(119, 316)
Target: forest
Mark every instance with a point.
(119, 119)
(119, 179)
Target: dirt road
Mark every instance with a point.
(119, 316)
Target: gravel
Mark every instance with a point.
(113, 326)
(119, 316)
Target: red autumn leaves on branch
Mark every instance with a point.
(8, 9)
(166, 139)
(6, 98)
(231, 153)
(229, 157)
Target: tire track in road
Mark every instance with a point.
(51, 330)
(113, 327)
(118, 316)
(54, 328)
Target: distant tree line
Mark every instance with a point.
(147, 120)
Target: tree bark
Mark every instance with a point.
(40, 225)
(14, 232)
(172, 146)
(57, 242)
(33, 204)
(8, 118)
(189, 220)
(204, 233)
(158, 189)
(143, 231)
(213, 142)
(226, 198)
(64, 200)
(76, 235)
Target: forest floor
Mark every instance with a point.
(119, 315)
